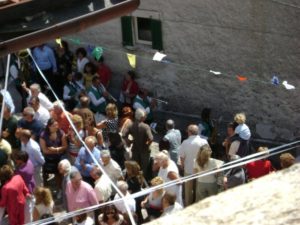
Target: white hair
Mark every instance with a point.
(66, 165)
(58, 104)
(139, 114)
(105, 153)
(36, 87)
(29, 111)
(123, 186)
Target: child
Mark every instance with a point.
(242, 129)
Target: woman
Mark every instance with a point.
(13, 195)
(110, 216)
(89, 73)
(168, 171)
(126, 118)
(82, 60)
(259, 167)
(110, 124)
(153, 202)
(74, 143)
(124, 121)
(206, 185)
(53, 143)
(130, 88)
(91, 130)
(135, 180)
(43, 203)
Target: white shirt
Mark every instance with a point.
(121, 206)
(188, 150)
(42, 115)
(137, 105)
(95, 101)
(113, 170)
(81, 64)
(234, 147)
(44, 101)
(103, 188)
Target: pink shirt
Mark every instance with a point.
(81, 198)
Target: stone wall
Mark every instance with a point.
(273, 199)
(253, 38)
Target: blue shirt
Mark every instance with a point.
(8, 100)
(84, 156)
(36, 127)
(44, 57)
(34, 152)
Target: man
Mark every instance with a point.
(84, 162)
(13, 195)
(84, 111)
(172, 140)
(60, 116)
(9, 128)
(169, 204)
(35, 155)
(142, 138)
(102, 185)
(120, 205)
(79, 193)
(35, 91)
(142, 101)
(41, 113)
(111, 167)
(188, 151)
(45, 59)
(28, 122)
(98, 95)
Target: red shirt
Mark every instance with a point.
(13, 197)
(104, 74)
(259, 168)
(62, 120)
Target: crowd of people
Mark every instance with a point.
(97, 147)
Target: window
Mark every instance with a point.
(142, 27)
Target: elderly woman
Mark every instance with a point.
(206, 185)
(53, 143)
(64, 168)
(168, 171)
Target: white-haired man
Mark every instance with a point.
(60, 116)
(35, 91)
(188, 152)
(111, 167)
(142, 138)
(120, 205)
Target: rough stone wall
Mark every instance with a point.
(273, 199)
(253, 38)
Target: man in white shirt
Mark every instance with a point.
(111, 167)
(120, 205)
(102, 185)
(41, 113)
(188, 152)
(35, 155)
(35, 91)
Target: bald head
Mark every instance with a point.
(170, 124)
(193, 129)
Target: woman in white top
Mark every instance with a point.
(43, 203)
(206, 185)
(168, 171)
